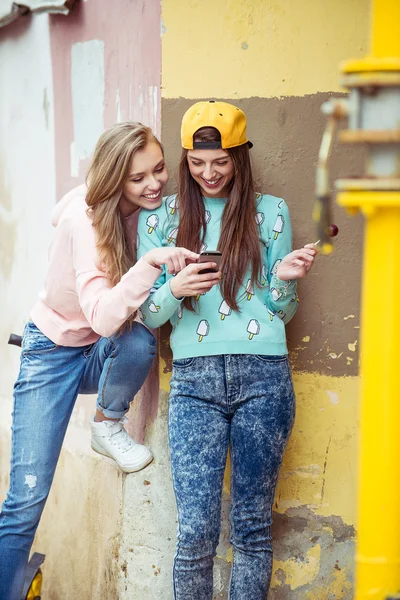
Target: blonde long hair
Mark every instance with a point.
(105, 180)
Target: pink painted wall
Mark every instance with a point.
(131, 33)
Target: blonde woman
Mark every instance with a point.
(82, 336)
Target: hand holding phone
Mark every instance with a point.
(210, 256)
(193, 280)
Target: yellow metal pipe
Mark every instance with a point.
(378, 527)
(386, 29)
(378, 521)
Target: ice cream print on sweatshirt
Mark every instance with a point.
(265, 306)
(152, 223)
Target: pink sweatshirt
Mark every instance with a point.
(78, 304)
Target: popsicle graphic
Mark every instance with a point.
(153, 308)
(276, 294)
(225, 310)
(172, 235)
(208, 217)
(173, 205)
(279, 225)
(203, 329)
(260, 217)
(263, 275)
(295, 298)
(275, 266)
(249, 290)
(152, 222)
(281, 314)
(253, 328)
(271, 314)
(198, 296)
(141, 315)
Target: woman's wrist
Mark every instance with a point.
(174, 291)
(150, 261)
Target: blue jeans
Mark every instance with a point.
(247, 403)
(49, 381)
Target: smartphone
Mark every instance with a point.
(210, 256)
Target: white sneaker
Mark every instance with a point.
(110, 438)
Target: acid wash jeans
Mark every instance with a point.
(49, 381)
(245, 402)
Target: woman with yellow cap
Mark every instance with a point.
(231, 384)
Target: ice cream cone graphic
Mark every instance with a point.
(225, 310)
(203, 329)
(203, 247)
(249, 290)
(253, 328)
(280, 204)
(276, 294)
(153, 308)
(173, 205)
(172, 235)
(208, 217)
(278, 227)
(152, 223)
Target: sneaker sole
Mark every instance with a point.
(134, 469)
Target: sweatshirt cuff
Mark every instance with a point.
(145, 272)
(170, 298)
(283, 287)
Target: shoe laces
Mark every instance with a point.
(121, 439)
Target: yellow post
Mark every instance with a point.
(386, 29)
(378, 527)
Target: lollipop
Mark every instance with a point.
(332, 232)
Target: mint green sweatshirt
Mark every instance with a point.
(259, 327)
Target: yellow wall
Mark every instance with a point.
(266, 48)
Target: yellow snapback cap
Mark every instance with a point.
(229, 120)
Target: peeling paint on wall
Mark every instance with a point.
(87, 88)
(311, 556)
(10, 10)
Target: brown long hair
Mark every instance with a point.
(239, 238)
(105, 180)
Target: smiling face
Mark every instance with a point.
(146, 180)
(213, 170)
